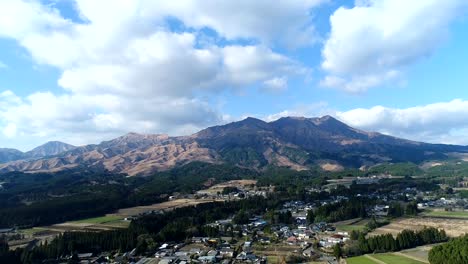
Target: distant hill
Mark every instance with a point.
(295, 142)
(48, 149)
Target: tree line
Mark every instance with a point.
(405, 239)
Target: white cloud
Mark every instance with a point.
(3, 65)
(374, 42)
(437, 123)
(286, 21)
(277, 84)
(123, 69)
(443, 122)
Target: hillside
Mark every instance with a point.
(295, 142)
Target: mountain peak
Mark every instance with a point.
(326, 119)
(50, 148)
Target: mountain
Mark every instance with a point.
(8, 154)
(50, 148)
(295, 142)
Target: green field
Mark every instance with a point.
(454, 214)
(395, 259)
(32, 231)
(360, 260)
(349, 228)
(99, 220)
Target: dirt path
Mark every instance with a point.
(374, 259)
(411, 257)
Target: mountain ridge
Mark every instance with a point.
(299, 143)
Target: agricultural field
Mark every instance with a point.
(99, 220)
(240, 184)
(420, 253)
(446, 214)
(384, 258)
(357, 224)
(169, 205)
(360, 260)
(453, 227)
(275, 252)
(390, 258)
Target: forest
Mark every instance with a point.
(453, 252)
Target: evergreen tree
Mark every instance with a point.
(337, 251)
(310, 217)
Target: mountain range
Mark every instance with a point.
(298, 143)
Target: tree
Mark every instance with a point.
(395, 210)
(310, 217)
(241, 218)
(3, 247)
(337, 251)
(411, 209)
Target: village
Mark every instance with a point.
(285, 235)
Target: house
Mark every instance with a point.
(291, 240)
(309, 252)
(227, 252)
(6, 230)
(199, 239)
(85, 256)
(207, 259)
(167, 260)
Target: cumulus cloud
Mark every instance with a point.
(437, 123)
(375, 41)
(125, 69)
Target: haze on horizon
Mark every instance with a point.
(82, 71)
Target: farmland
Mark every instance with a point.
(453, 227)
(350, 225)
(169, 205)
(396, 258)
(361, 260)
(385, 258)
(99, 220)
(447, 214)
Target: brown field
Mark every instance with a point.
(453, 227)
(276, 251)
(234, 183)
(169, 205)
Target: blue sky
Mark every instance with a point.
(83, 71)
